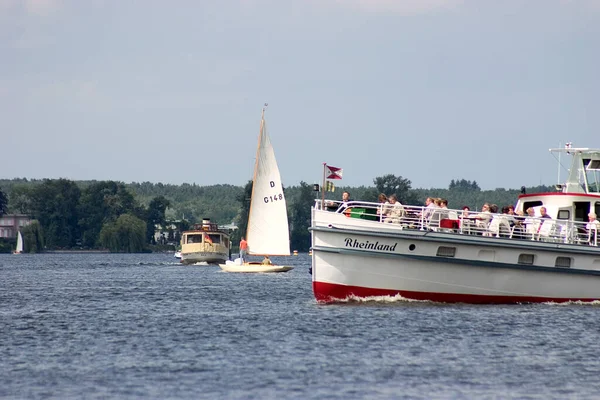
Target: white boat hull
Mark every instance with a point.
(254, 267)
(204, 257)
(360, 259)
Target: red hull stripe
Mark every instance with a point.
(331, 293)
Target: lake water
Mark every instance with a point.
(141, 326)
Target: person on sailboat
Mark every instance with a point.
(243, 249)
(266, 261)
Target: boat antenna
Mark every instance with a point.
(558, 166)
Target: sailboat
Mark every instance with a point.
(19, 248)
(268, 231)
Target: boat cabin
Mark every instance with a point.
(207, 233)
(578, 196)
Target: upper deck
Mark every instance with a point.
(463, 222)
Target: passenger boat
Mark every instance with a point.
(205, 242)
(451, 256)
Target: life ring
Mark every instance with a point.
(348, 212)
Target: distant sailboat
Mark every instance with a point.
(19, 248)
(268, 230)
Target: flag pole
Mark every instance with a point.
(323, 188)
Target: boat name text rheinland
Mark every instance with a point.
(369, 245)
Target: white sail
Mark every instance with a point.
(19, 243)
(268, 231)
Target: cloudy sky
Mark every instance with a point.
(171, 91)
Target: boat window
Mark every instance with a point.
(528, 204)
(563, 262)
(597, 208)
(526, 259)
(444, 251)
(592, 164)
(563, 214)
(215, 238)
(225, 242)
(194, 239)
(582, 208)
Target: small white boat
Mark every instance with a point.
(442, 255)
(268, 231)
(178, 254)
(19, 248)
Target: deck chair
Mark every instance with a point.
(546, 230)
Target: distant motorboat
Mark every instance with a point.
(205, 242)
(178, 254)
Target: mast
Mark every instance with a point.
(260, 133)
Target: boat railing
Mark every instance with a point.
(486, 224)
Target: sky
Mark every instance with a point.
(172, 91)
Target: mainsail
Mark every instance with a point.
(268, 231)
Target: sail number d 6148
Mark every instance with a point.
(270, 199)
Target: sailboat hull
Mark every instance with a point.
(254, 267)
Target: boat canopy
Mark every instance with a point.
(584, 174)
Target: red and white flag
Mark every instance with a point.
(333, 172)
(207, 239)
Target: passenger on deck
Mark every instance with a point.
(394, 210)
(510, 215)
(429, 208)
(465, 220)
(465, 213)
(592, 227)
(383, 203)
(503, 224)
(544, 213)
(266, 261)
(519, 228)
(482, 220)
(345, 199)
(531, 223)
(243, 249)
(444, 212)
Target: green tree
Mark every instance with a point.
(54, 204)
(155, 215)
(21, 197)
(125, 235)
(244, 210)
(462, 184)
(103, 202)
(3, 203)
(392, 184)
(33, 237)
(299, 213)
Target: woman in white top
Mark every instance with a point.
(592, 227)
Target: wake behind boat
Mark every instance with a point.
(268, 231)
(548, 251)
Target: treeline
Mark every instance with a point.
(121, 217)
(68, 214)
